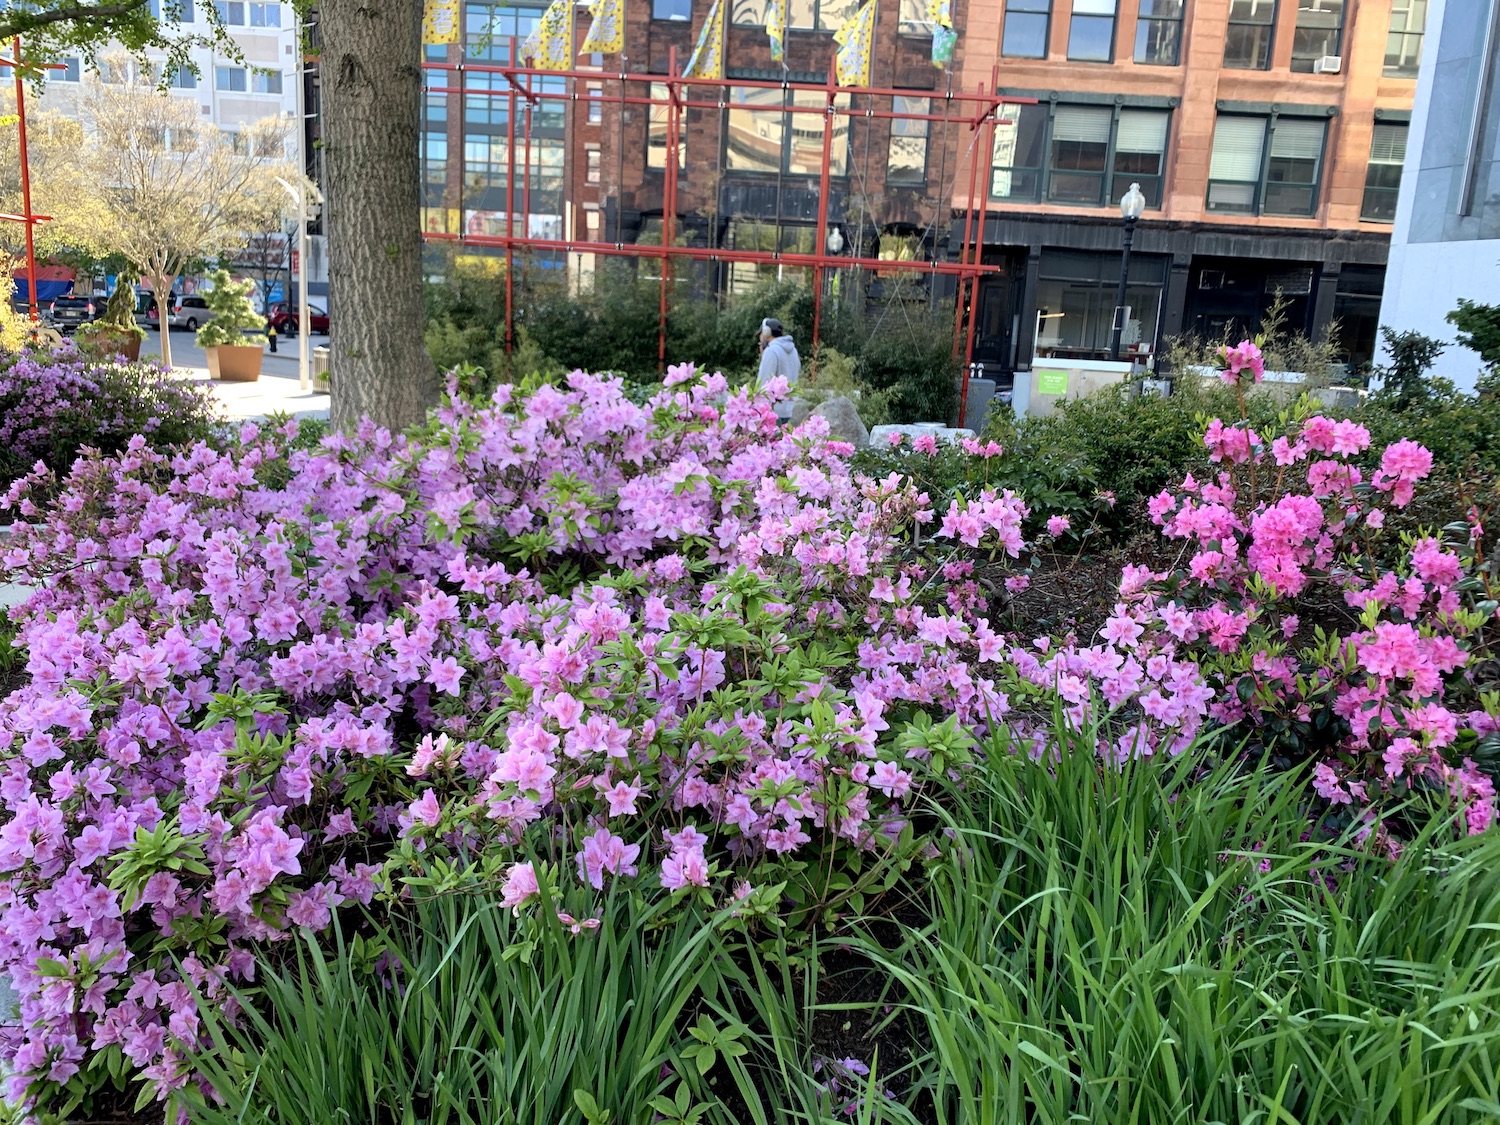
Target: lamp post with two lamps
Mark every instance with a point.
(1132, 204)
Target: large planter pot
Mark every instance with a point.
(235, 363)
(111, 344)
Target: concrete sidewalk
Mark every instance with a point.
(277, 391)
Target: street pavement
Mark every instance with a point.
(277, 391)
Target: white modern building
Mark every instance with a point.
(233, 94)
(1446, 240)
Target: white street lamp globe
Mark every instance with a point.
(1132, 203)
(835, 241)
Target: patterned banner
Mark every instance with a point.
(607, 31)
(776, 29)
(550, 46)
(708, 55)
(855, 40)
(440, 23)
(944, 38)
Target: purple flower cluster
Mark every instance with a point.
(54, 404)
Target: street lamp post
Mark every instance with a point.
(304, 205)
(1132, 203)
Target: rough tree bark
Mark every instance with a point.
(372, 82)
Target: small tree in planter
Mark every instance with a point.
(116, 332)
(230, 357)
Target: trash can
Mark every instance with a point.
(320, 367)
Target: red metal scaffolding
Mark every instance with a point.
(979, 116)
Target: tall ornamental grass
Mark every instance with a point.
(1167, 942)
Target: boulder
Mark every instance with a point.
(843, 422)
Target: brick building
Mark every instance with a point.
(1267, 138)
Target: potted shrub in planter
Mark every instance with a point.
(116, 332)
(230, 356)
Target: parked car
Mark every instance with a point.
(146, 313)
(67, 313)
(287, 319)
(190, 313)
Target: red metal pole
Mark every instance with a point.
(984, 202)
(963, 250)
(526, 187)
(510, 213)
(822, 232)
(25, 181)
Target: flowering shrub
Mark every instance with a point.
(53, 404)
(561, 637)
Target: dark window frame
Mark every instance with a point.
(787, 143)
(1074, 15)
(920, 177)
(744, 14)
(1372, 205)
(1270, 43)
(1146, 22)
(1262, 182)
(1042, 8)
(1401, 41)
(1303, 58)
(1153, 185)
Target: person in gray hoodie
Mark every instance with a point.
(778, 356)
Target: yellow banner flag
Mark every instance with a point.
(550, 46)
(776, 29)
(708, 55)
(440, 22)
(607, 31)
(855, 40)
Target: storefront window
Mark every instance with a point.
(1076, 301)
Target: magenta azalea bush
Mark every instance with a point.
(562, 640)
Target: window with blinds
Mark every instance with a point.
(1293, 168)
(1079, 153)
(1235, 166)
(1266, 166)
(1383, 174)
(1140, 153)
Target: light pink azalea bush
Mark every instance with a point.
(560, 640)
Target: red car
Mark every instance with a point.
(287, 320)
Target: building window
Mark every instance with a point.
(1266, 166)
(592, 172)
(184, 79)
(1091, 36)
(230, 78)
(265, 15)
(1403, 46)
(188, 14)
(656, 131)
(231, 12)
(820, 15)
(71, 71)
(1320, 30)
(266, 82)
(681, 10)
(763, 137)
(906, 160)
(1027, 24)
(1383, 176)
(914, 18)
(596, 107)
(1075, 299)
(1158, 33)
(1087, 155)
(1247, 40)
(751, 234)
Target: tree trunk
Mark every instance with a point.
(161, 289)
(372, 82)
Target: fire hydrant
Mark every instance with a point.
(271, 335)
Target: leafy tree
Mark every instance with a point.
(174, 191)
(234, 315)
(1412, 356)
(60, 186)
(1478, 328)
